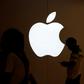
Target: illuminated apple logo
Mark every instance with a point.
(44, 38)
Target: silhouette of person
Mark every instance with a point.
(73, 65)
(14, 65)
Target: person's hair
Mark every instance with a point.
(72, 45)
(12, 40)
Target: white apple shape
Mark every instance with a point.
(44, 38)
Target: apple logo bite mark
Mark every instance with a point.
(44, 38)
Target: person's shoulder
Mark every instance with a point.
(15, 60)
(13, 57)
(10, 62)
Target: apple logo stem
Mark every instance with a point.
(44, 38)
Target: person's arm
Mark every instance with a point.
(68, 64)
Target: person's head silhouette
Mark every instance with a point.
(72, 45)
(12, 40)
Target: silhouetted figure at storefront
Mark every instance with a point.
(73, 65)
(14, 65)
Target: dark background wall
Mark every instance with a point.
(22, 14)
